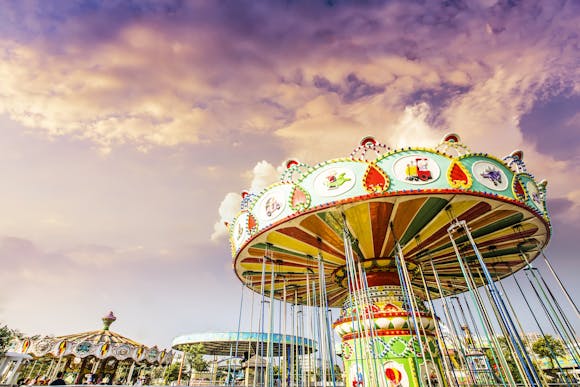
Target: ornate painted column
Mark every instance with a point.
(380, 346)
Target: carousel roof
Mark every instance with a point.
(101, 344)
(101, 336)
(228, 343)
(379, 199)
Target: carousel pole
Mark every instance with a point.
(229, 365)
(483, 316)
(552, 303)
(451, 323)
(214, 371)
(526, 340)
(552, 319)
(50, 367)
(515, 338)
(30, 373)
(316, 329)
(32, 364)
(440, 341)
(178, 375)
(565, 323)
(319, 325)
(297, 365)
(504, 329)
(280, 353)
(132, 368)
(163, 373)
(407, 288)
(68, 362)
(290, 360)
(518, 230)
(56, 368)
(301, 334)
(115, 371)
(360, 307)
(562, 287)
(369, 319)
(232, 382)
(355, 306)
(471, 318)
(284, 371)
(4, 362)
(261, 318)
(96, 366)
(78, 378)
(247, 371)
(309, 303)
(538, 325)
(552, 315)
(269, 379)
(325, 329)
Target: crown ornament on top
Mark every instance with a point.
(108, 320)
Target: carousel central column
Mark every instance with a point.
(379, 340)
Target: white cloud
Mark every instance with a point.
(573, 213)
(229, 207)
(412, 128)
(261, 176)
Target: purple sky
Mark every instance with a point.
(127, 127)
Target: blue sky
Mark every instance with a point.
(129, 128)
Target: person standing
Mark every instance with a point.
(59, 381)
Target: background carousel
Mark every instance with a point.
(100, 356)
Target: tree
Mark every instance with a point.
(337, 372)
(329, 373)
(509, 357)
(194, 356)
(172, 373)
(276, 372)
(6, 337)
(549, 347)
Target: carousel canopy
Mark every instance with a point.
(101, 344)
(227, 343)
(380, 199)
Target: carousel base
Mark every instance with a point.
(379, 343)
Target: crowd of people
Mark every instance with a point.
(59, 380)
(43, 381)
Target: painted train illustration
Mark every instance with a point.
(418, 170)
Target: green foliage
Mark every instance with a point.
(549, 347)
(337, 372)
(6, 337)
(507, 353)
(194, 356)
(172, 373)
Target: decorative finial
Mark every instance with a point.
(108, 320)
(451, 145)
(294, 171)
(515, 161)
(368, 143)
(451, 137)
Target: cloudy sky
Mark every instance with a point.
(128, 129)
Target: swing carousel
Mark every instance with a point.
(385, 235)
